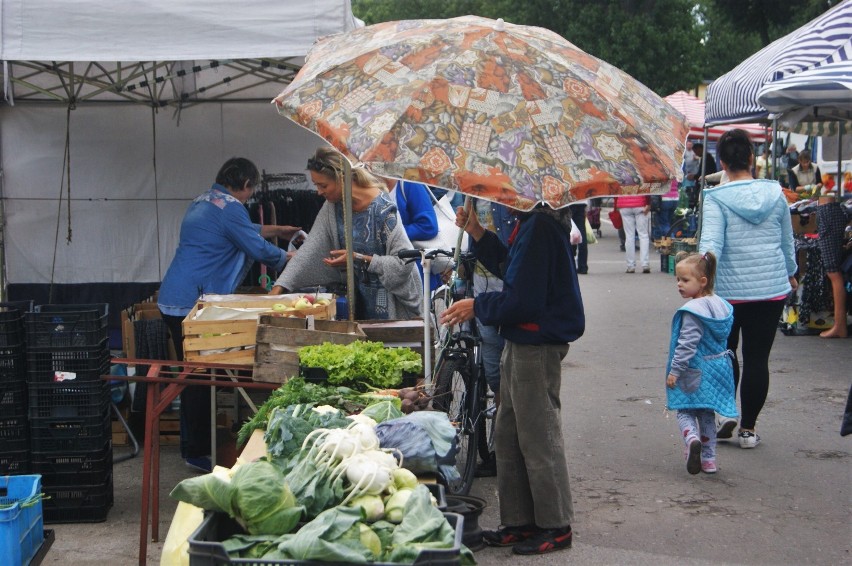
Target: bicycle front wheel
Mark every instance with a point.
(452, 396)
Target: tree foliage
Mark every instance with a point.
(668, 45)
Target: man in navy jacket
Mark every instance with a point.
(539, 312)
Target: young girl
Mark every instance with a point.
(700, 378)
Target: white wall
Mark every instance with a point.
(125, 211)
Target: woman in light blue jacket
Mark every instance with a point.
(746, 224)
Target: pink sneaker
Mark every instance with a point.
(708, 466)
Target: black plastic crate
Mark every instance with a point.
(13, 364)
(14, 463)
(63, 326)
(69, 435)
(68, 364)
(13, 399)
(68, 399)
(78, 468)
(206, 548)
(78, 503)
(14, 433)
(12, 333)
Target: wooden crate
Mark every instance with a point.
(233, 341)
(279, 339)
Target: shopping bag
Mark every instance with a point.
(448, 234)
(590, 233)
(615, 218)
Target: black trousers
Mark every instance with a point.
(757, 323)
(194, 404)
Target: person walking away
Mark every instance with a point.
(217, 246)
(700, 375)
(761, 166)
(635, 214)
(665, 216)
(539, 312)
(581, 250)
(746, 225)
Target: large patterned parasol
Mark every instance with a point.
(508, 113)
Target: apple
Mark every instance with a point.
(310, 298)
(279, 307)
(323, 302)
(302, 304)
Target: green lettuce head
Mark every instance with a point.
(262, 500)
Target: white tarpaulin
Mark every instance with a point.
(166, 30)
(117, 113)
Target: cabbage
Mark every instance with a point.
(372, 505)
(262, 501)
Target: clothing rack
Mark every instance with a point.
(283, 199)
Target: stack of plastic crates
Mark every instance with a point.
(69, 410)
(14, 428)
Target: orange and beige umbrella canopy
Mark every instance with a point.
(508, 113)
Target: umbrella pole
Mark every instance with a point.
(839, 159)
(427, 320)
(347, 236)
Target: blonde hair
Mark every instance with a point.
(328, 161)
(703, 264)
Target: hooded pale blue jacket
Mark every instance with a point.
(746, 224)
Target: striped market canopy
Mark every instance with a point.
(693, 108)
(828, 87)
(825, 40)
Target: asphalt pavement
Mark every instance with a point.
(786, 502)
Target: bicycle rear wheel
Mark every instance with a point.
(452, 396)
(486, 423)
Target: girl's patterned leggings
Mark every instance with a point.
(700, 423)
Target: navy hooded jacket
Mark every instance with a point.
(540, 302)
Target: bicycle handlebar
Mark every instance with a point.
(429, 254)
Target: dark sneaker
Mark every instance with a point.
(487, 469)
(200, 464)
(508, 536)
(693, 457)
(546, 540)
(725, 429)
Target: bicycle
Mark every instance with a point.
(459, 387)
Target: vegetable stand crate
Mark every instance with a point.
(21, 521)
(223, 328)
(279, 339)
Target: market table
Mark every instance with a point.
(163, 386)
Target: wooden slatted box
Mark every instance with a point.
(279, 340)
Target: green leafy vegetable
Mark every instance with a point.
(257, 497)
(211, 492)
(333, 536)
(382, 411)
(289, 426)
(297, 391)
(361, 361)
(262, 501)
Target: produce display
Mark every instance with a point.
(361, 364)
(327, 490)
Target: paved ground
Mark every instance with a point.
(786, 502)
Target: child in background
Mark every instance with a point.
(700, 375)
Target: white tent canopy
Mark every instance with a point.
(117, 113)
